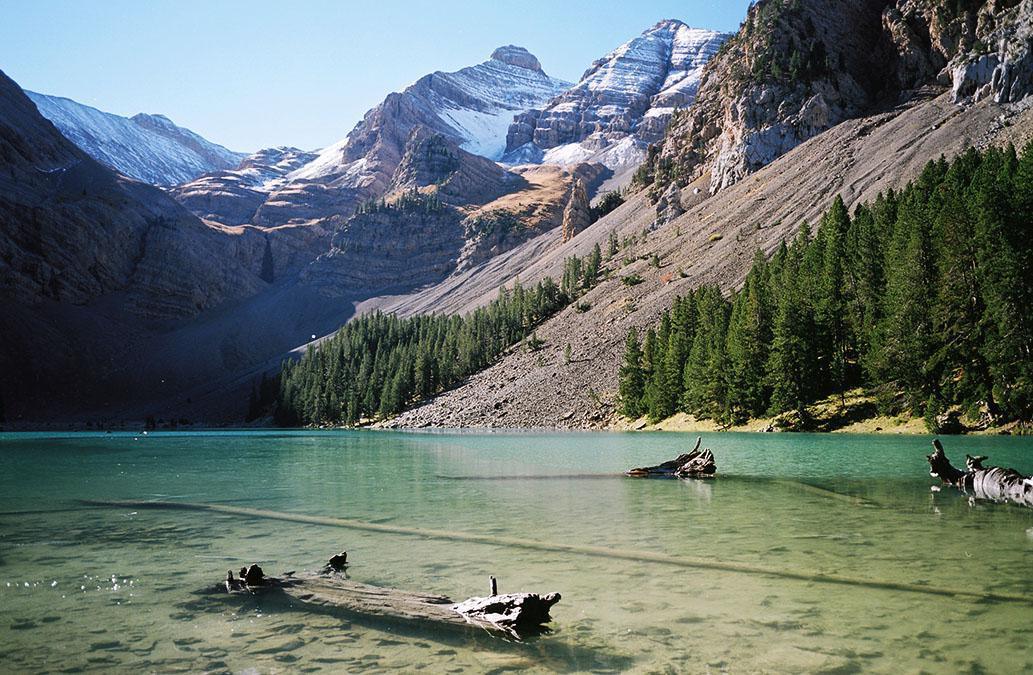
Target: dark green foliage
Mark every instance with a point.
(496, 222)
(607, 203)
(412, 201)
(925, 297)
(632, 378)
(263, 397)
(378, 364)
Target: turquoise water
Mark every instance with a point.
(116, 589)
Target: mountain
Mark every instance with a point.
(231, 197)
(890, 80)
(796, 69)
(621, 104)
(474, 106)
(149, 148)
(471, 107)
(115, 295)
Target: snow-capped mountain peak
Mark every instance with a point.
(474, 106)
(628, 94)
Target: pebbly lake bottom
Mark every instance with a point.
(123, 590)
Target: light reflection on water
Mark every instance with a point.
(123, 589)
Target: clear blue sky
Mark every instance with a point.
(256, 74)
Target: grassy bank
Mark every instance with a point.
(855, 413)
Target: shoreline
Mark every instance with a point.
(853, 413)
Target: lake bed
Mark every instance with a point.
(113, 589)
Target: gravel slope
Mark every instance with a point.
(856, 159)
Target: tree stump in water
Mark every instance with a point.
(515, 612)
(337, 563)
(993, 484)
(695, 464)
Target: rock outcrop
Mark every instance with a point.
(149, 148)
(456, 176)
(799, 67)
(445, 209)
(578, 213)
(999, 65)
(622, 102)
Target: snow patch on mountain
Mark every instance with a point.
(327, 161)
(485, 131)
(149, 148)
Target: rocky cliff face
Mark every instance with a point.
(795, 68)
(93, 264)
(232, 197)
(799, 67)
(149, 148)
(622, 102)
(444, 209)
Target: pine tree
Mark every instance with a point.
(905, 335)
(704, 374)
(749, 337)
(832, 297)
(791, 369)
(267, 274)
(632, 379)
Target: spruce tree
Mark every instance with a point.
(749, 337)
(632, 379)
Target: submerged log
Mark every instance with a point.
(606, 552)
(513, 615)
(995, 484)
(695, 464)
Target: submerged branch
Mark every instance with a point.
(577, 549)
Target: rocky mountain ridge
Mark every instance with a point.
(233, 196)
(471, 107)
(621, 104)
(149, 148)
(796, 69)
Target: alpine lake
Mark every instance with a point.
(806, 553)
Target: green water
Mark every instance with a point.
(109, 589)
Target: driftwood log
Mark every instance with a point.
(695, 464)
(993, 484)
(513, 615)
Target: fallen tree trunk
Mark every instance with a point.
(695, 464)
(992, 484)
(514, 615)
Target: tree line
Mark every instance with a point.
(923, 296)
(379, 364)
